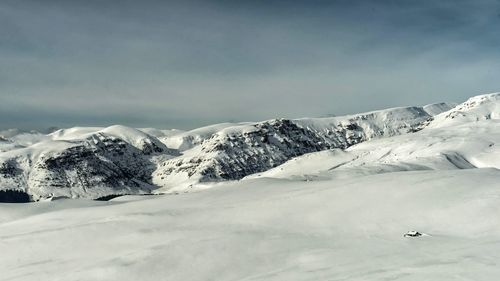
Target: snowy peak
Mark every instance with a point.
(438, 108)
(98, 166)
(92, 162)
(482, 107)
(187, 140)
(140, 140)
(240, 150)
(84, 162)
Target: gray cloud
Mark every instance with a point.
(190, 63)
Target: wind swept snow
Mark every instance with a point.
(285, 199)
(267, 229)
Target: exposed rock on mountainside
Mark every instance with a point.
(92, 167)
(238, 151)
(237, 154)
(100, 162)
(97, 162)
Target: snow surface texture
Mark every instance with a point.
(316, 199)
(267, 229)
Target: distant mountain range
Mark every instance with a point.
(84, 162)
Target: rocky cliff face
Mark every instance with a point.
(97, 162)
(238, 151)
(96, 166)
(229, 156)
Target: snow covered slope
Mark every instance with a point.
(240, 150)
(465, 137)
(317, 199)
(95, 162)
(466, 146)
(483, 107)
(83, 162)
(267, 229)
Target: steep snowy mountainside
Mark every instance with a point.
(234, 152)
(84, 162)
(465, 146)
(317, 199)
(483, 107)
(380, 123)
(95, 161)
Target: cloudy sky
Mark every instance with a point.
(188, 63)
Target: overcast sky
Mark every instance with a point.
(183, 64)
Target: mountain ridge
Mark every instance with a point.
(87, 162)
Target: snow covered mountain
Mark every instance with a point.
(83, 162)
(97, 162)
(483, 107)
(338, 207)
(235, 151)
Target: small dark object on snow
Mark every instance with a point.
(412, 234)
(108, 197)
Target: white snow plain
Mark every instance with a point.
(329, 215)
(267, 229)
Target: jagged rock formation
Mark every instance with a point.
(100, 162)
(241, 150)
(91, 165)
(233, 156)
(97, 162)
